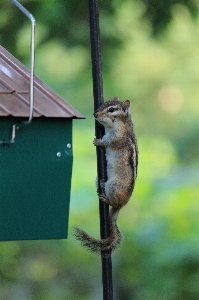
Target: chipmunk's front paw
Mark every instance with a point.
(97, 142)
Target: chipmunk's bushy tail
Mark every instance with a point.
(95, 245)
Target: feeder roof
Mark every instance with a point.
(14, 92)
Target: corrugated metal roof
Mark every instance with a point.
(14, 92)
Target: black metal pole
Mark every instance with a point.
(99, 131)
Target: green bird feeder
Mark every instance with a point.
(35, 159)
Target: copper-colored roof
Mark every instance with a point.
(14, 92)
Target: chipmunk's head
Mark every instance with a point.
(113, 112)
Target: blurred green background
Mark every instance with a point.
(150, 53)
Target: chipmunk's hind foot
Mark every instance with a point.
(103, 198)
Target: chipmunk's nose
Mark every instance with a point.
(95, 114)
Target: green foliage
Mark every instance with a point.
(67, 21)
(159, 12)
(160, 255)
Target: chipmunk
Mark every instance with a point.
(122, 160)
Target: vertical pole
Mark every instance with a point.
(99, 131)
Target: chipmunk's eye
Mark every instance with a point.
(111, 109)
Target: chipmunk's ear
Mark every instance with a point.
(116, 98)
(126, 105)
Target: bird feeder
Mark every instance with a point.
(35, 160)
